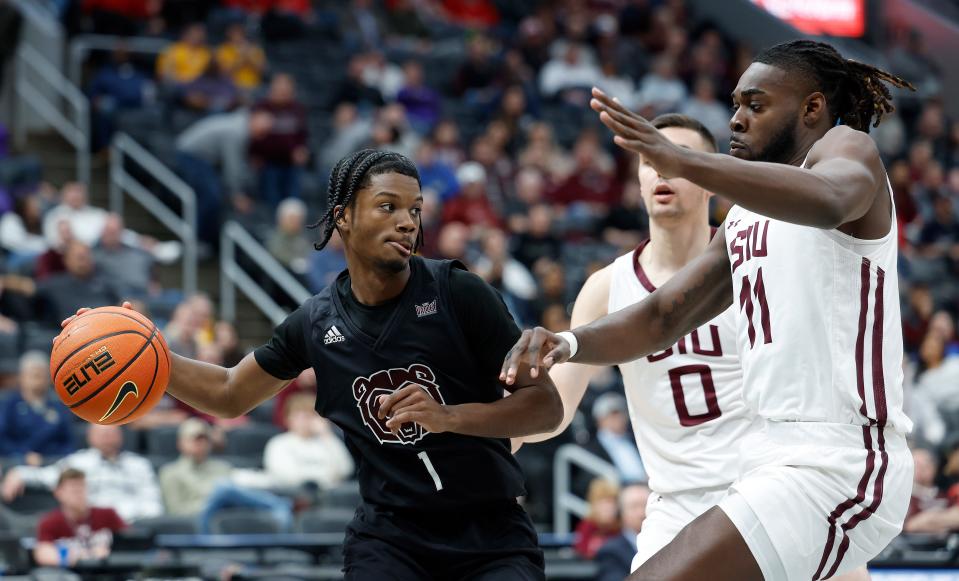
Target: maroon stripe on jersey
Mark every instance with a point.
(861, 337)
(867, 511)
(638, 268)
(878, 380)
(842, 507)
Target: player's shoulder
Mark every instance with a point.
(593, 300)
(844, 141)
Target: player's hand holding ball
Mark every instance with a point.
(531, 343)
(414, 404)
(110, 365)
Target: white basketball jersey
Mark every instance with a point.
(685, 403)
(819, 330)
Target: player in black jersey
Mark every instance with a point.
(406, 352)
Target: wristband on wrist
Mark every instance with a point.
(571, 339)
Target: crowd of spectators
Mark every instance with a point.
(519, 179)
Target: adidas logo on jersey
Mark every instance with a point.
(333, 335)
(426, 309)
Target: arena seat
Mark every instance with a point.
(168, 525)
(324, 520)
(343, 495)
(249, 440)
(233, 521)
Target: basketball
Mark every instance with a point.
(110, 365)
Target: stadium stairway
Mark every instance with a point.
(59, 167)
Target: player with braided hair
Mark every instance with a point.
(807, 259)
(406, 352)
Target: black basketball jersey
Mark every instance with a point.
(421, 343)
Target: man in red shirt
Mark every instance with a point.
(76, 530)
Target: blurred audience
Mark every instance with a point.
(281, 152)
(601, 523)
(615, 557)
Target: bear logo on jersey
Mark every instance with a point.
(367, 391)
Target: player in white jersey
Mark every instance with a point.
(808, 262)
(685, 401)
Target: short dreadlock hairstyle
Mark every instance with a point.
(350, 175)
(856, 93)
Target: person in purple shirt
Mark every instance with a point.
(422, 103)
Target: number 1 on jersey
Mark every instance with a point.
(746, 302)
(429, 468)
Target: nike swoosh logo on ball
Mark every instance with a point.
(125, 390)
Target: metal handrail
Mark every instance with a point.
(184, 227)
(565, 502)
(76, 130)
(83, 44)
(234, 236)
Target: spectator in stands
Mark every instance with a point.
(242, 60)
(422, 103)
(474, 81)
(188, 482)
(75, 531)
(538, 241)
(505, 273)
(181, 332)
(309, 452)
(435, 174)
(281, 152)
(327, 265)
(403, 21)
(51, 262)
(941, 375)
(615, 557)
(33, 425)
(568, 77)
(543, 153)
(661, 90)
(614, 442)
(116, 478)
(530, 189)
(225, 337)
(21, 232)
(86, 221)
(702, 105)
(930, 509)
(289, 243)
(382, 75)
(80, 286)
(939, 236)
(592, 188)
(446, 139)
(128, 267)
(601, 522)
(211, 92)
(117, 86)
(355, 90)
(472, 206)
(185, 60)
(213, 155)
(625, 225)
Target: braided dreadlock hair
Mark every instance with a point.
(350, 175)
(855, 92)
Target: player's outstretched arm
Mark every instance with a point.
(697, 293)
(572, 379)
(220, 391)
(839, 186)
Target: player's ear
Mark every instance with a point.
(813, 108)
(342, 221)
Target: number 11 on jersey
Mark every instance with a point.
(429, 468)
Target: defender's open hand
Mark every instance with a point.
(531, 343)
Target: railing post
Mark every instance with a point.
(227, 261)
(189, 245)
(116, 174)
(83, 146)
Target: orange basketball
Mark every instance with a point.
(110, 365)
